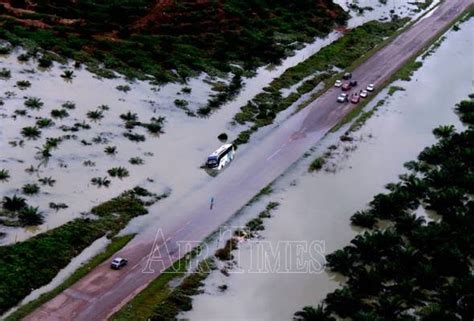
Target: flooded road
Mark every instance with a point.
(191, 220)
(318, 206)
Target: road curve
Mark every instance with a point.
(103, 291)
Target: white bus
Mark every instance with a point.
(221, 157)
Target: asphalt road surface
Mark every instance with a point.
(103, 291)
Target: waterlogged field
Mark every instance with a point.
(70, 141)
(319, 206)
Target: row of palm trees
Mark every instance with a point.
(412, 268)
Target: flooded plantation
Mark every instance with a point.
(319, 206)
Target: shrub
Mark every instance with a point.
(23, 84)
(222, 137)
(317, 164)
(49, 181)
(119, 172)
(134, 137)
(68, 105)
(124, 88)
(30, 189)
(45, 62)
(59, 113)
(5, 73)
(136, 161)
(100, 181)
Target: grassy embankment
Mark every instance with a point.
(159, 302)
(406, 265)
(262, 110)
(35, 262)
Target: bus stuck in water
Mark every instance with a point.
(221, 157)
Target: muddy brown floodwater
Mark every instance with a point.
(318, 206)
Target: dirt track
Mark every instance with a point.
(103, 291)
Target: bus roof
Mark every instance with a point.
(220, 150)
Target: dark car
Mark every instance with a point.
(118, 263)
(347, 76)
(353, 83)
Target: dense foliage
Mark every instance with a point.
(415, 267)
(169, 39)
(35, 262)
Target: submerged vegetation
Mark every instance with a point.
(168, 41)
(407, 265)
(47, 253)
(342, 53)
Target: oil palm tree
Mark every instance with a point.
(33, 103)
(95, 115)
(31, 132)
(309, 313)
(14, 203)
(30, 216)
(4, 175)
(119, 172)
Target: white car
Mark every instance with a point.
(364, 93)
(338, 83)
(370, 87)
(342, 98)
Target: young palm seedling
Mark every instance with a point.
(44, 122)
(30, 189)
(136, 161)
(14, 203)
(100, 181)
(30, 216)
(67, 74)
(5, 74)
(30, 132)
(4, 175)
(33, 103)
(110, 150)
(119, 172)
(23, 84)
(47, 181)
(95, 115)
(59, 113)
(68, 105)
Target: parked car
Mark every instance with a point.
(370, 87)
(347, 76)
(342, 98)
(338, 83)
(364, 93)
(118, 263)
(355, 98)
(346, 86)
(353, 83)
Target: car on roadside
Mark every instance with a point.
(364, 93)
(346, 86)
(338, 83)
(342, 98)
(355, 98)
(353, 83)
(370, 87)
(118, 263)
(347, 76)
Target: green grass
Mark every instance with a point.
(116, 244)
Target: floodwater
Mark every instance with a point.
(171, 160)
(318, 206)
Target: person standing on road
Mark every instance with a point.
(212, 203)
